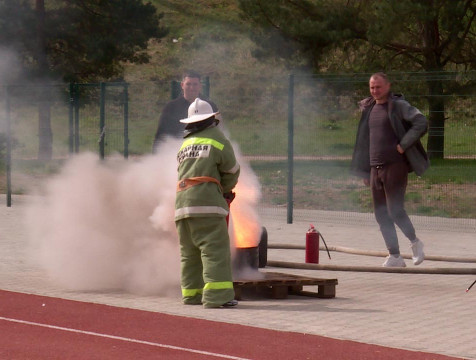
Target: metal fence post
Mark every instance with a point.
(290, 149)
(206, 87)
(71, 118)
(76, 117)
(126, 120)
(9, 148)
(102, 120)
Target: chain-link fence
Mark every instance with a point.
(297, 132)
(99, 118)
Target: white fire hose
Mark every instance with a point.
(373, 253)
(419, 270)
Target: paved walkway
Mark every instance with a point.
(430, 313)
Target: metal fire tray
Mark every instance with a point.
(279, 286)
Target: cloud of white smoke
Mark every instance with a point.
(93, 229)
(109, 225)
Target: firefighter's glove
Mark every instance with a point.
(229, 196)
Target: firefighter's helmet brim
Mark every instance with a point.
(199, 110)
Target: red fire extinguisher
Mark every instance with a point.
(312, 245)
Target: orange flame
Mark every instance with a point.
(246, 229)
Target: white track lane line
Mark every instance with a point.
(123, 339)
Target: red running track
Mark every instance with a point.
(39, 327)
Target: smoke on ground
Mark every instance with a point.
(109, 225)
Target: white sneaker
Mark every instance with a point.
(394, 261)
(418, 254)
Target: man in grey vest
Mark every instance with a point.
(387, 148)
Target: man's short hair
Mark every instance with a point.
(381, 75)
(191, 74)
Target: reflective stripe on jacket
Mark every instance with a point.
(206, 153)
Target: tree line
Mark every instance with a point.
(88, 40)
(73, 41)
(374, 35)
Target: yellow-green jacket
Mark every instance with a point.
(205, 153)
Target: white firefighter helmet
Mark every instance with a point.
(199, 110)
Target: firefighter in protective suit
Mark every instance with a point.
(207, 172)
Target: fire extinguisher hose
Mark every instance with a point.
(324, 241)
(470, 286)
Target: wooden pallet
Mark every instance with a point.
(279, 286)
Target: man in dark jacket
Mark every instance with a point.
(169, 122)
(387, 148)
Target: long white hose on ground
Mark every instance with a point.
(374, 253)
(412, 270)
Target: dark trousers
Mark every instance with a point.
(388, 184)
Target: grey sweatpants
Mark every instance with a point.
(388, 184)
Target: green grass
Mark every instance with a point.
(259, 124)
(447, 189)
(451, 171)
(255, 136)
(252, 95)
